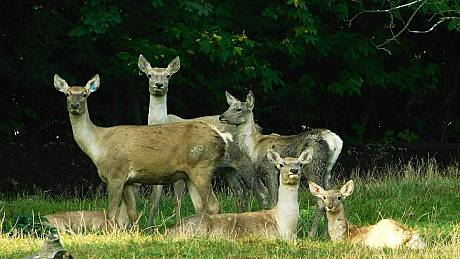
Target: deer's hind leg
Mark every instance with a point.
(157, 192)
(200, 189)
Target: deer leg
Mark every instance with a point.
(179, 191)
(271, 181)
(129, 196)
(320, 211)
(115, 190)
(253, 182)
(204, 188)
(157, 191)
(261, 192)
(238, 188)
(195, 196)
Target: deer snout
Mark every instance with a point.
(75, 105)
(221, 118)
(294, 171)
(159, 85)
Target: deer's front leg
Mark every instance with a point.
(115, 190)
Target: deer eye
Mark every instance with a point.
(238, 110)
(67, 94)
(339, 198)
(168, 76)
(324, 197)
(84, 94)
(149, 75)
(281, 165)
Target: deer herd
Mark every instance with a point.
(187, 153)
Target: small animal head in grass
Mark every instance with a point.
(333, 198)
(290, 168)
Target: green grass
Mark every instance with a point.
(418, 195)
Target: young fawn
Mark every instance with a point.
(279, 222)
(386, 233)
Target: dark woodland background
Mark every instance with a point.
(312, 63)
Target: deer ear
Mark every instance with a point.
(60, 84)
(347, 189)
(93, 84)
(274, 157)
(231, 100)
(250, 100)
(306, 156)
(143, 64)
(315, 189)
(174, 66)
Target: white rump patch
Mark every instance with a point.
(335, 144)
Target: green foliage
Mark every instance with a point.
(295, 55)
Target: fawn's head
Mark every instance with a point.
(238, 112)
(76, 95)
(158, 77)
(332, 199)
(290, 168)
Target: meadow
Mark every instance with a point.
(419, 194)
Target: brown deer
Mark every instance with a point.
(386, 233)
(88, 220)
(160, 154)
(325, 144)
(279, 222)
(158, 114)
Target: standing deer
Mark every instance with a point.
(160, 154)
(158, 88)
(386, 233)
(279, 222)
(326, 147)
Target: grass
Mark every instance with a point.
(419, 195)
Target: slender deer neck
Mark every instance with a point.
(158, 110)
(287, 210)
(248, 137)
(337, 224)
(85, 133)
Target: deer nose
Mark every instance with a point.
(294, 171)
(159, 85)
(330, 207)
(74, 105)
(221, 117)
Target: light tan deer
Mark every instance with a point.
(279, 222)
(160, 154)
(158, 114)
(325, 144)
(88, 220)
(386, 233)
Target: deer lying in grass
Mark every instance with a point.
(87, 220)
(386, 233)
(325, 144)
(279, 222)
(158, 114)
(160, 154)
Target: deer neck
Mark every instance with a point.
(85, 133)
(248, 137)
(337, 224)
(287, 210)
(158, 111)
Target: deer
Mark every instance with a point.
(278, 222)
(158, 114)
(387, 233)
(157, 154)
(88, 220)
(325, 144)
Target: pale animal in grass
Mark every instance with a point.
(239, 171)
(386, 233)
(87, 220)
(325, 144)
(160, 154)
(279, 222)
